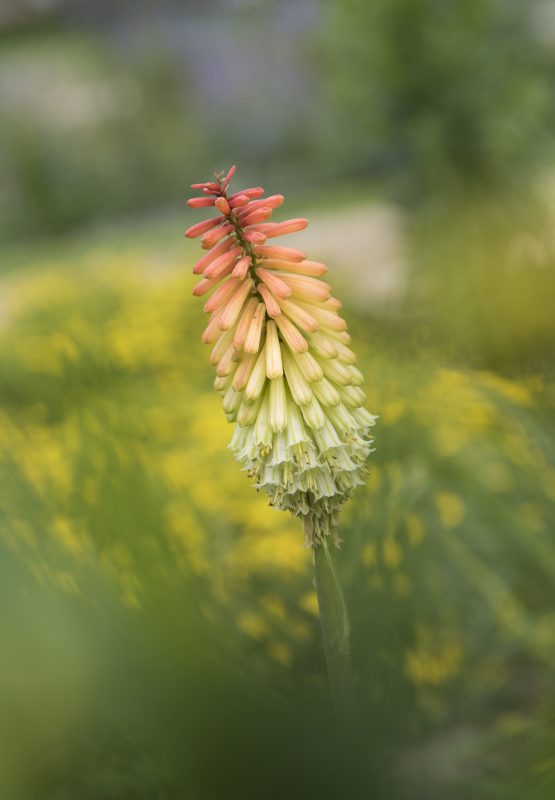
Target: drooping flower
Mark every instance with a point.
(283, 363)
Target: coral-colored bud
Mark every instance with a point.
(283, 253)
(238, 201)
(225, 364)
(275, 284)
(241, 268)
(333, 304)
(312, 268)
(203, 262)
(244, 371)
(244, 322)
(213, 237)
(233, 308)
(229, 176)
(202, 227)
(208, 188)
(217, 267)
(273, 201)
(221, 295)
(310, 289)
(255, 191)
(327, 319)
(291, 334)
(255, 237)
(200, 202)
(252, 342)
(260, 215)
(289, 226)
(299, 316)
(222, 205)
(212, 330)
(272, 305)
(264, 227)
(204, 286)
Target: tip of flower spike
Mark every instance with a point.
(229, 176)
(222, 205)
(207, 186)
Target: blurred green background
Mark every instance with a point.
(158, 624)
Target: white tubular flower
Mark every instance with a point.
(283, 365)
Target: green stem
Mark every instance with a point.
(335, 632)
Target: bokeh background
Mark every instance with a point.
(158, 625)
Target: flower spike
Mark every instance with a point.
(284, 371)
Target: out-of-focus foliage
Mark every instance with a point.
(85, 133)
(436, 96)
(102, 113)
(483, 281)
(138, 561)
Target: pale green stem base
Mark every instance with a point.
(335, 632)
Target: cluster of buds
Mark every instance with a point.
(283, 363)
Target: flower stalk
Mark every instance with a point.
(336, 631)
(288, 379)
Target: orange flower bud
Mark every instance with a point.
(290, 226)
(245, 318)
(219, 265)
(221, 295)
(222, 205)
(241, 268)
(259, 215)
(213, 237)
(272, 305)
(284, 253)
(291, 334)
(202, 227)
(200, 202)
(274, 284)
(203, 262)
(252, 342)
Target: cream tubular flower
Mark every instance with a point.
(283, 365)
